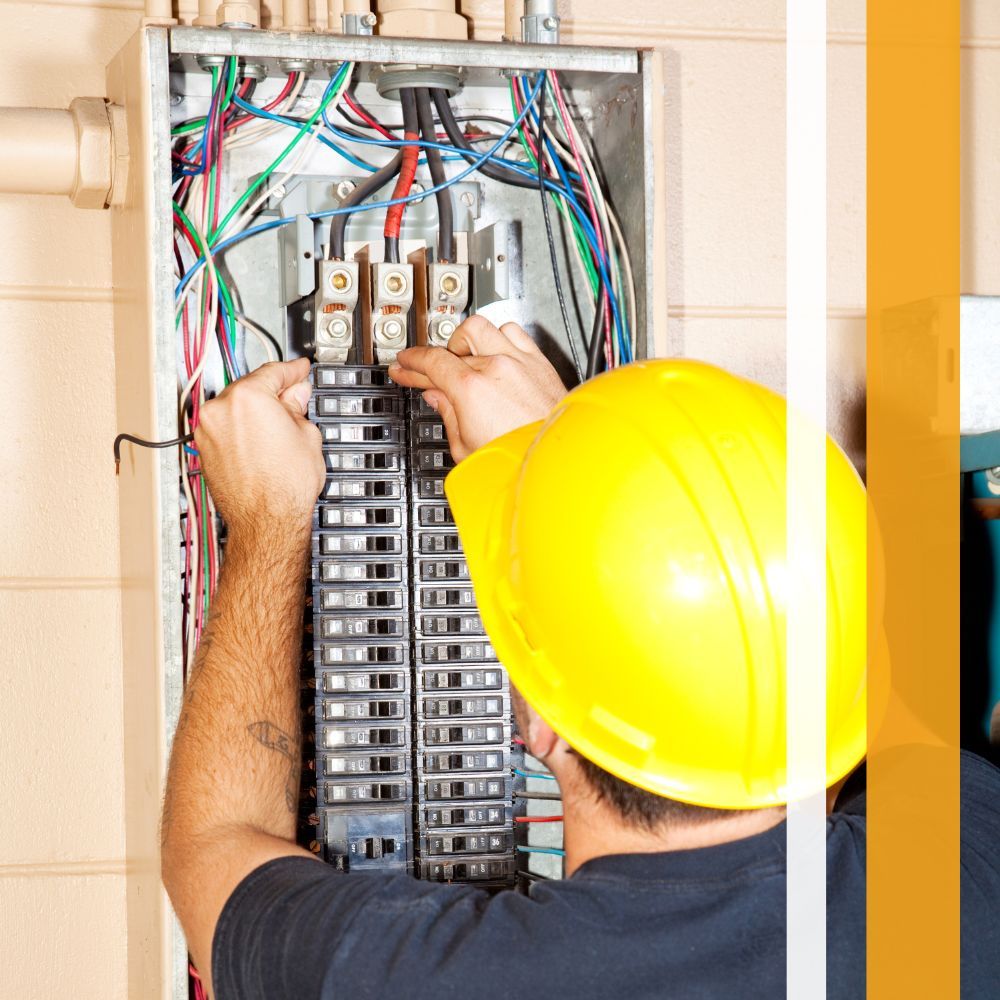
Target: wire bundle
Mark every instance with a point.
(552, 158)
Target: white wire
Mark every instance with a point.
(261, 335)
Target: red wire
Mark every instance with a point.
(538, 819)
(407, 171)
(285, 91)
(367, 118)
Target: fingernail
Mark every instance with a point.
(431, 400)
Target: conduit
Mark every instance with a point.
(81, 152)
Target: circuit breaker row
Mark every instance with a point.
(464, 792)
(361, 615)
(413, 731)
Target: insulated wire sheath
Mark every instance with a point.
(368, 187)
(553, 256)
(407, 172)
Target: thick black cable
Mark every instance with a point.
(377, 181)
(595, 354)
(446, 221)
(142, 442)
(457, 138)
(553, 257)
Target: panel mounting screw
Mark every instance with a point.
(468, 200)
(344, 188)
(369, 20)
(550, 23)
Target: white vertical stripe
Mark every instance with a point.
(806, 496)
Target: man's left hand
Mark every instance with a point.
(263, 459)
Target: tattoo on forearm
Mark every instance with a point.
(269, 735)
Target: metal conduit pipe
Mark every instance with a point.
(81, 152)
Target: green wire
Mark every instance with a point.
(227, 299)
(305, 130)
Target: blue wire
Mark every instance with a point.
(480, 159)
(191, 451)
(491, 154)
(558, 852)
(350, 157)
(534, 774)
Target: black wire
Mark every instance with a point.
(457, 138)
(392, 249)
(446, 221)
(142, 442)
(594, 353)
(378, 180)
(553, 257)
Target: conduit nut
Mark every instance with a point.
(92, 186)
(232, 13)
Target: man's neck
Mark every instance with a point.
(593, 829)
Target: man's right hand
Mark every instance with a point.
(487, 382)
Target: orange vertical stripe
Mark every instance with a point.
(913, 492)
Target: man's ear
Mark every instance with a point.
(541, 738)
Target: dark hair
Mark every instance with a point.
(641, 808)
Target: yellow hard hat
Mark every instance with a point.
(628, 557)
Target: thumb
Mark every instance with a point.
(296, 398)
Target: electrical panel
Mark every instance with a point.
(245, 152)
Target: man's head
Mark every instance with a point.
(630, 805)
(628, 556)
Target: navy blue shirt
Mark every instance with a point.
(698, 924)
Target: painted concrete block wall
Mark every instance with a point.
(62, 855)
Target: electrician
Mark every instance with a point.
(626, 543)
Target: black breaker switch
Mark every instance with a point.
(414, 755)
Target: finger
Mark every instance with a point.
(439, 401)
(521, 340)
(277, 376)
(296, 398)
(440, 368)
(478, 336)
(408, 377)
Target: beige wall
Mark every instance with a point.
(62, 896)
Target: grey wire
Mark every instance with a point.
(553, 257)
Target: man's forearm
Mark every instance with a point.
(235, 757)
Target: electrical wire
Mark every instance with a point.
(143, 443)
(535, 774)
(538, 819)
(553, 256)
(377, 181)
(407, 173)
(528, 849)
(541, 796)
(446, 222)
